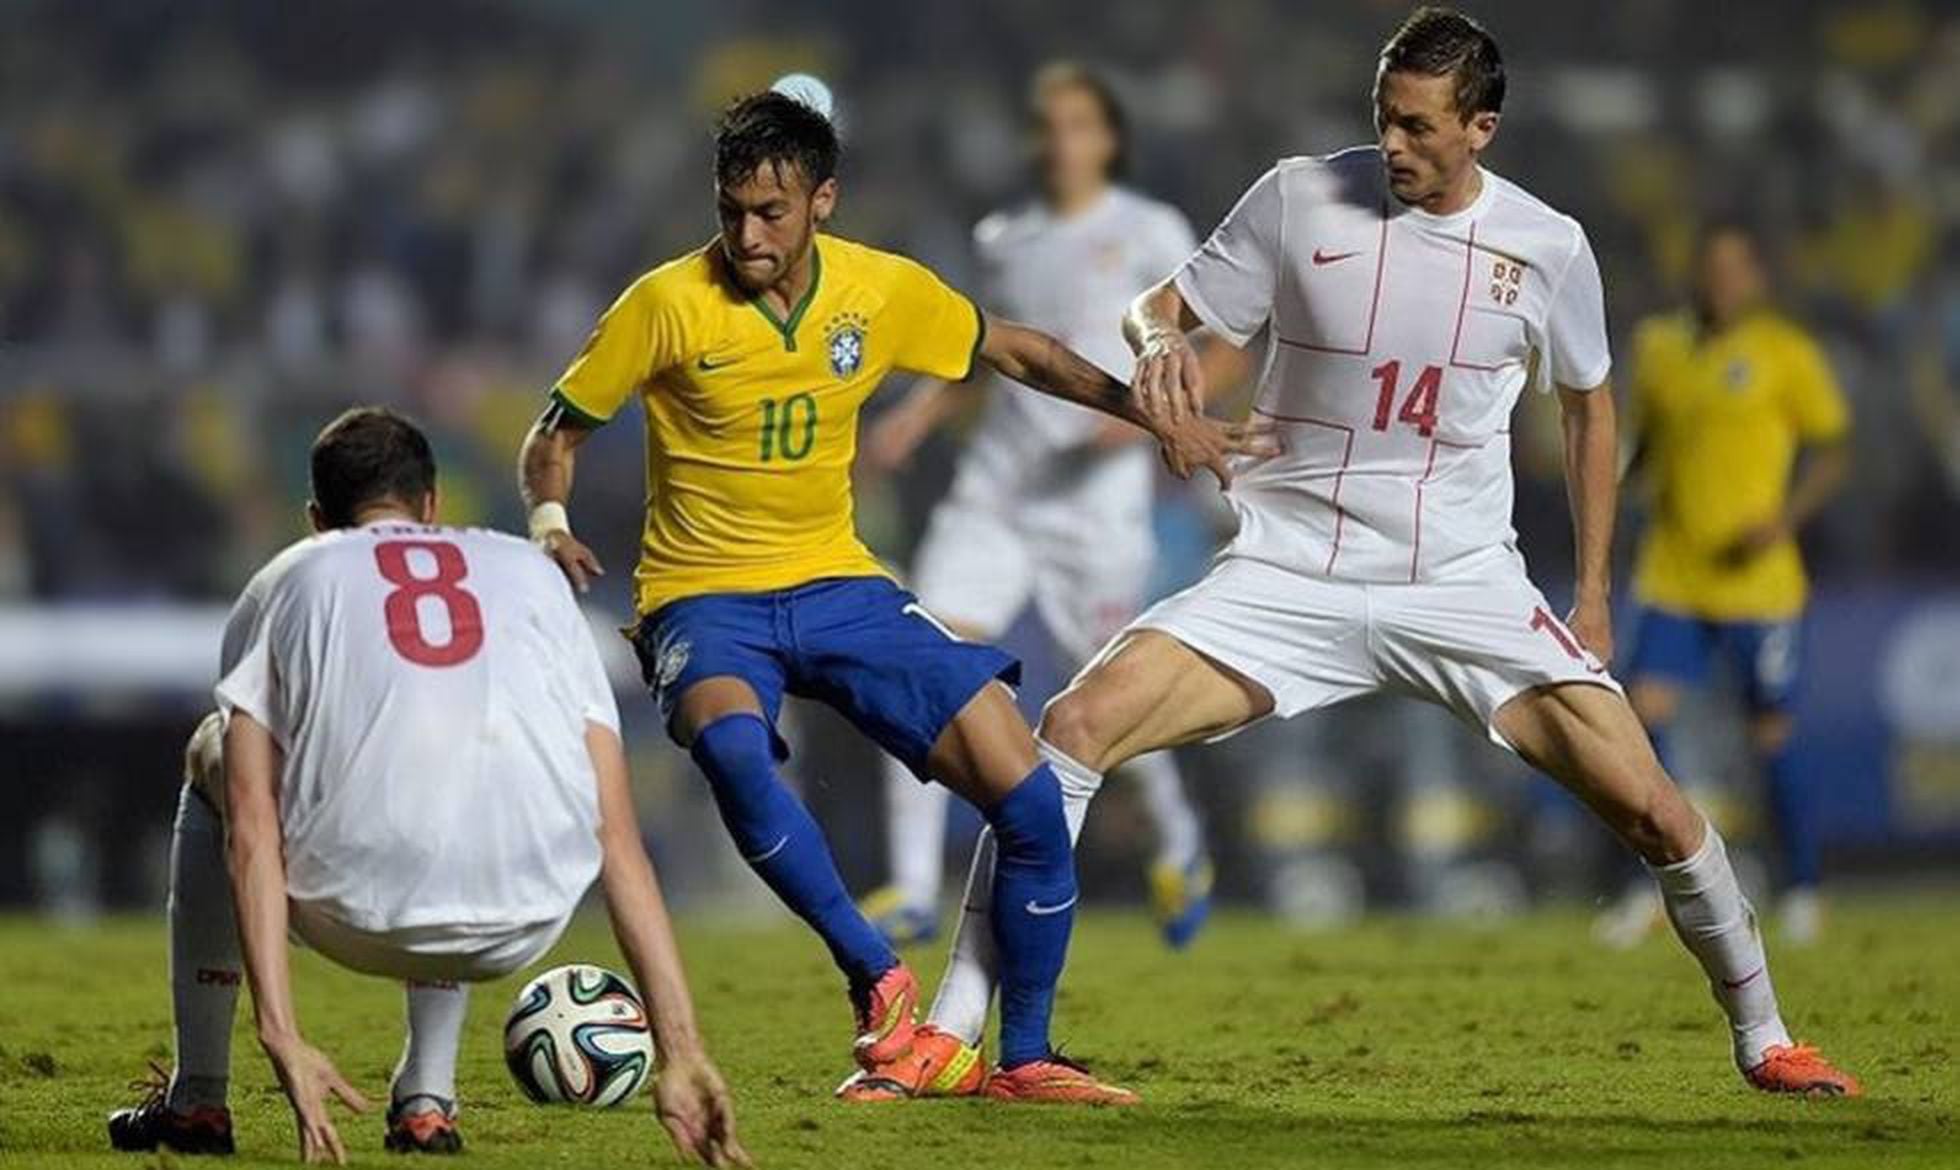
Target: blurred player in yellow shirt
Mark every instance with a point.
(1730, 397)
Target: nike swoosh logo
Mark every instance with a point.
(1320, 257)
(1041, 911)
(702, 363)
(773, 850)
(1746, 980)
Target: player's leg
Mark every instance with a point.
(1670, 655)
(1588, 739)
(1086, 596)
(188, 1113)
(718, 672)
(422, 1093)
(1769, 659)
(973, 572)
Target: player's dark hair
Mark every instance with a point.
(1077, 75)
(773, 129)
(1441, 42)
(367, 455)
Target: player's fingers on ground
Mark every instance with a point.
(687, 1142)
(348, 1094)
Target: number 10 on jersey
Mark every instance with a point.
(789, 427)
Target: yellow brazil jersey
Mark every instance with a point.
(752, 419)
(1722, 418)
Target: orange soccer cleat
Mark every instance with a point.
(939, 1064)
(1056, 1080)
(884, 1014)
(1799, 1068)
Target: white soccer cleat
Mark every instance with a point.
(1627, 922)
(1800, 917)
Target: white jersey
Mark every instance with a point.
(1400, 342)
(430, 689)
(1073, 277)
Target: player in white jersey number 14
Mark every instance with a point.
(1035, 475)
(416, 768)
(1408, 294)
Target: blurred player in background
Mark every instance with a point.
(1037, 475)
(1730, 395)
(1409, 294)
(416, 767)
(752, 356)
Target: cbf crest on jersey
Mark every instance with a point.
(844, 341)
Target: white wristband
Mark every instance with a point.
(549, 517)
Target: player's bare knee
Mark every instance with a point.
(1073, 724)
(1664, 828)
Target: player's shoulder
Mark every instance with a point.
(1147, 214)
(1521, 209)
(1004, 227)
(853, 262)
(1351, 177)
(1661, 334)
(1775, 328)
(677, 281)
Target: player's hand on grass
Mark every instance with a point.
(693, 1105)
(1591, 621)
(575, 560)
(309, 1078)
(1198, 441)
(1168, 381)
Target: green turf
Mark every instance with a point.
(1396, 1044)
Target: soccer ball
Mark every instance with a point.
(578, 1034)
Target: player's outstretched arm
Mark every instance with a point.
(894, 435)
(544, 476)
(256, 859)
(1592, 484)
(1188, 441)
(688, 1091)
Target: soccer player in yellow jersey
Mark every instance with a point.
(1730, 396)
(752, 356)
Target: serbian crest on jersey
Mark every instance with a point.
(844, 341)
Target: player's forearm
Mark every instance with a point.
(545, 466)
(255, 857)
(639, 915)
(1592, 487)
(1154, 313)
(1823, 474)
(1042, 363)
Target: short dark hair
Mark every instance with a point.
(1442, 42)
(367, 455)
(1077, 75)
(775, 129)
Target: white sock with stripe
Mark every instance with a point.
(1718, 926)
(915, 835)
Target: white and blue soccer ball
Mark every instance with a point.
(578, 1034)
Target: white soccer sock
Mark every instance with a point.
(1718, 926)
(1180, 835)
(205, 968)
(915, 834)
(435, 1031)
(973, 969)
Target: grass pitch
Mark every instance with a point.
(1399, 1044)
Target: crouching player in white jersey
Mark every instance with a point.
(415, 768)
(1038, 474)
(1409, 295)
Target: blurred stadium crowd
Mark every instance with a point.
(223, 220)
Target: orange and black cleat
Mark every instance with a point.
(153, 1123)
(428, 1128)
(1799, 1068)
(1056, 1080)
(939, 1064)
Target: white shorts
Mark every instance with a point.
(427, 953)
(979, 567)
(1470, 643)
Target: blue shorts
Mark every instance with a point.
(1767, 657)
(860, 645)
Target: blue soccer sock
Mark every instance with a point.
(782, 843)
(1033, 911)
(1793, 809)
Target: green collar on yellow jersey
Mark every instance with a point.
(788, 327)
